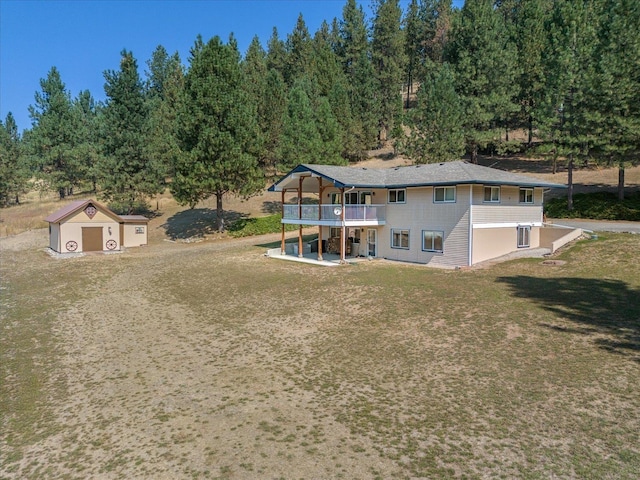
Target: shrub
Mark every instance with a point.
(246, 227)
(597, 206)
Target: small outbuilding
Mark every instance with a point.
(87, 226)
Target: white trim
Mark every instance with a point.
(507, 225)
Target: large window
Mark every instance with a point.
(444, 194)
(432, 241)
(492, 194)
(399, 238)
(524, 234)
(397, 196)
(526, 195)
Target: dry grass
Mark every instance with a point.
(210, 361)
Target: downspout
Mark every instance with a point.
(470, 225)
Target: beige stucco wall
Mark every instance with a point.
(71, 229)
(490, 243)
(555, 237)
(133, 239)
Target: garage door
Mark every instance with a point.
(92, 239)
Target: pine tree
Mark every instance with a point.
(436, 122)
(217, 130)
(165, 81)
(254, 67)
(275, 107)
(485, 62)
(14, 174)
(530, 36)
(389, 61)
(412, 46)
(52, 138)
(276, 53)
(360, 76)
(301, 141)
(87, 143)
(564, 114)
(325, 69)
(614, 97)
(128, 175)
(331, 142)
(299, 52)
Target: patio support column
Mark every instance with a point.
(343, 240)
(282, 249)
(300, 217)
(320, 218)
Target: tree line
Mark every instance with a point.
(436, 81)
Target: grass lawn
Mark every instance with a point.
(189, 361)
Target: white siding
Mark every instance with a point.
(421, 213)
(506, 214)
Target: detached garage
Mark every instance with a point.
(87, 226)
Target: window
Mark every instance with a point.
(335, 232)
(335, 198)
(526, 195)
(397, 196)
(366, 198)
(399, 238)
(432, 241)
(492, 194)
(444, 194)
(351, 198)
(523, 237)
(140, 230)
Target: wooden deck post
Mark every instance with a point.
(320, 218)
(343, 240)
(282, 249)
(300, 217)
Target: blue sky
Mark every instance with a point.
(83, 38)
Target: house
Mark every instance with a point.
(449, 214)
(87, 226)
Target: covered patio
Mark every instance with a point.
(338, 213)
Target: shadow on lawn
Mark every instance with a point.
(604, 308)
(196, 223)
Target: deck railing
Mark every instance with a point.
(352, 213)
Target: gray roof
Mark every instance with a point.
(447, 173)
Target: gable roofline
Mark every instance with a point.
(74, 207)
(436, 174)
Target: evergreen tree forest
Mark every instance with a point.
(435, 81)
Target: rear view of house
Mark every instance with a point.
(87, 226)
(448, 214)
